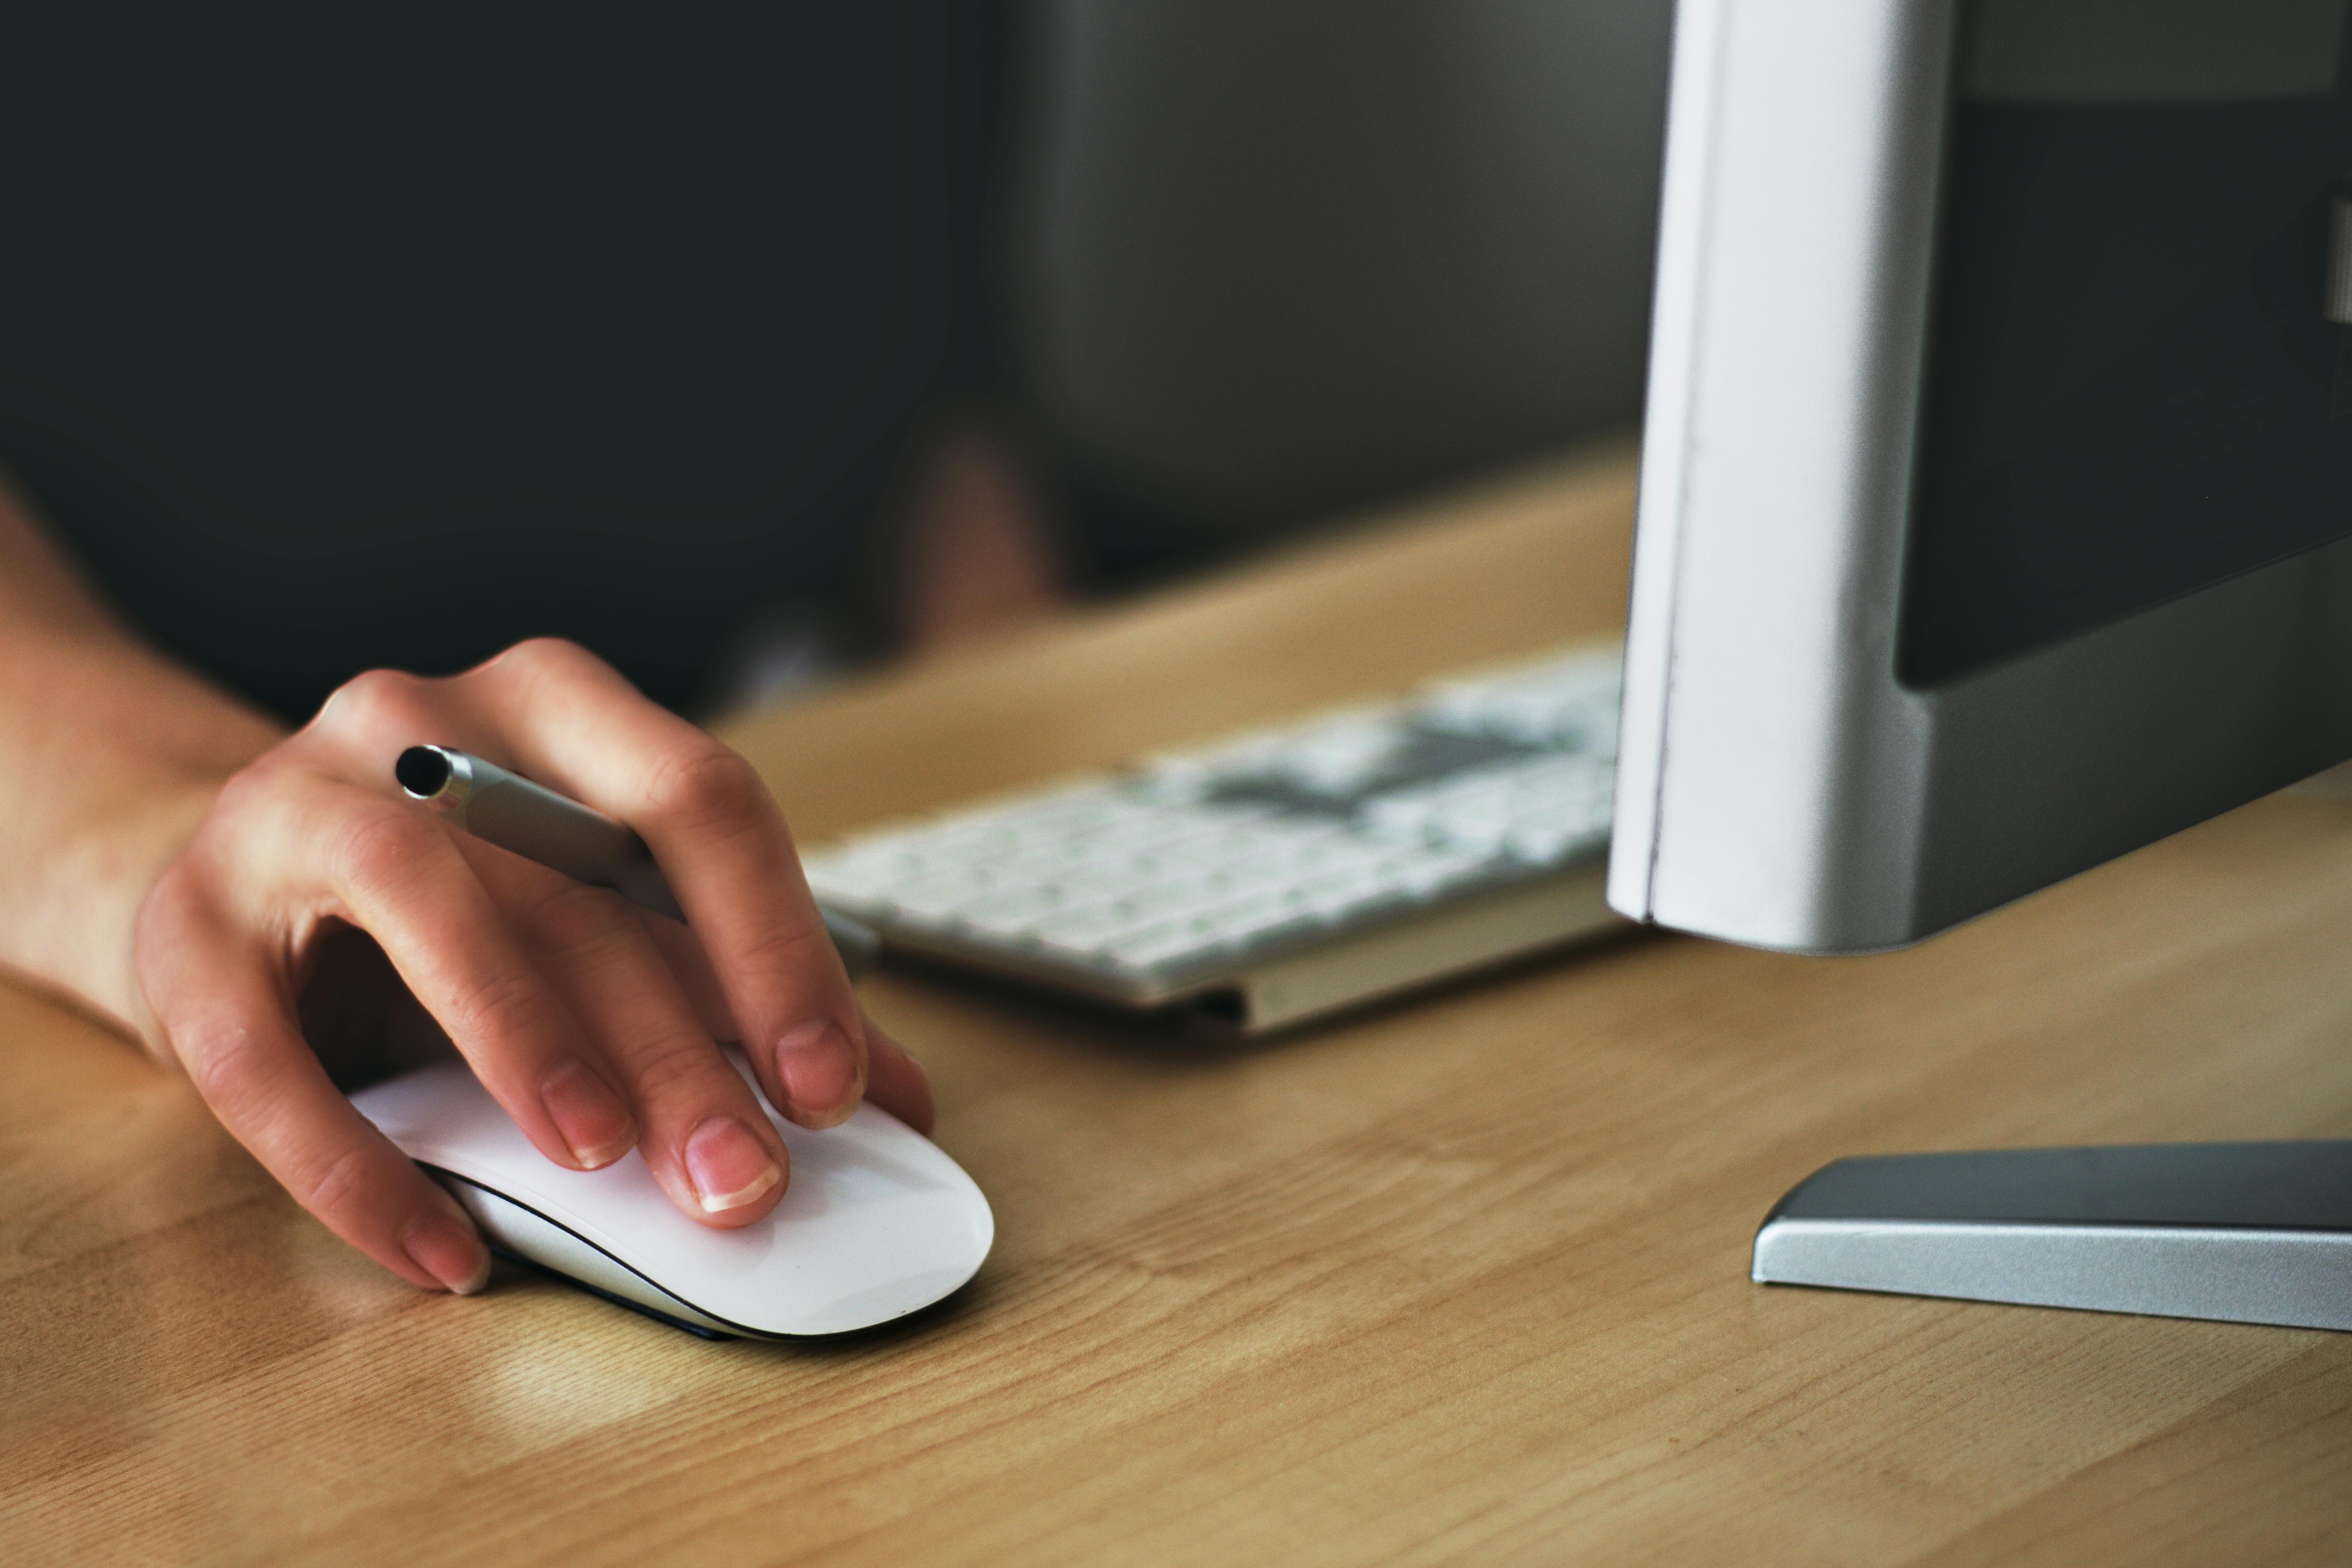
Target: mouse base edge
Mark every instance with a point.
(640, 1309)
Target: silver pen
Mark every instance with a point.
(534, 822)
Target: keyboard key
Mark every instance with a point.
(1337, 890)
(1086, 930)
(1439, 870)
(1010, 916)
(1245, 916)
(1541, 846)
(1259, 838)
(940, 898)
(1259, 874)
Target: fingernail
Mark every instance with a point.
(818, 1067)
(448, 1250)
(728, 1167)
(595, 1123)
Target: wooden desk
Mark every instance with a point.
(1463, 1280)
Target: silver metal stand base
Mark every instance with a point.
(2245, 1233)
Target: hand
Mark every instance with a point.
(592, 1022)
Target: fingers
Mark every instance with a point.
(396, 873)
(894, 1079)
(897, 1081)
(231, 1021)
(575, 725)
(691, 966)
(704, 1137)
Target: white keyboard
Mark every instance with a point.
(1280, 874)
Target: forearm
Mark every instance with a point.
(112, 756)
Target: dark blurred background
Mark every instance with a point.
(1267, 261)
(1211, 273)
(1254, 265)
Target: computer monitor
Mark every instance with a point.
(1996, 519)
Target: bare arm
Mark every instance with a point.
(113, 755)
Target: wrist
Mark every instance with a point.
(80, 940)
(114, 756)
(120, 757)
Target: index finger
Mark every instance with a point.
(574, 724)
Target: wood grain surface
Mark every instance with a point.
(1463, 1280)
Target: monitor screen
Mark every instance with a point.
(2137, 382)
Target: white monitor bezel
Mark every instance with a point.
(1778, 786)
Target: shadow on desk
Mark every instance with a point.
(1191, 1034)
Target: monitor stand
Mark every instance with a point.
(2247, 1233)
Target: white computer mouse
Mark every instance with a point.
(876, 1223)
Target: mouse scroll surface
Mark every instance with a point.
(876, 1222)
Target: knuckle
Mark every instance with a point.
(576, 918)
(330, 1185)
(549, 651)
(501, 1006)
(374, 701)
(705, 784)
(242, 1078)
(175, 900)
(791, 967)
(378, 851)
(536, 659)
(677, 1068)
(783, 945)
(228, 1062)
(249, 792)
